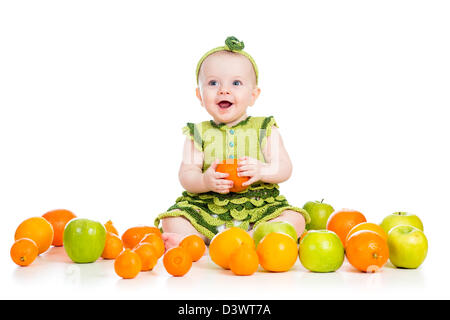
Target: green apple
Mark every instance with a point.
(408, 246)
(84, 240)
(321, 251)
(264, 228)
(401, 218)
(319, 213)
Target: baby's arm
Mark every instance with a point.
(193, 179)
(278, 163)
(278, 166)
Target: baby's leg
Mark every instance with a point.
(294, 218)
(175, 229)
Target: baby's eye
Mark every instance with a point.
(237, 83)
(212, 83)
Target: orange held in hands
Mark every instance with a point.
(177, 261)
(113, 246)
(367, 251)
(342, 221)
(58, 219)
(366, 226)
(194, 245)
(132, 236)
(37, 229)
(277, 252)
(244, 261)
(224, 243)
(127, 264)
(230, 166)
(24, 251)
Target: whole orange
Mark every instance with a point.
(224, 243)
(177, 261)
(230, 166)
(127, 264)
(148, 256)
(132, 236)
(113, 246)
(244, 261)
(156, 242)
(277, 252)
(58, 218)
(342, 221)
(366, 226)
(367, 251)
(37, 229)
(24, 251)
(194, 245)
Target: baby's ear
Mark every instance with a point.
(199, 96)
(255, 94)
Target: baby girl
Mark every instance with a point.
(227, 79)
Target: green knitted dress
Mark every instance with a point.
(211, 212)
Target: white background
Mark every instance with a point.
(93, 95)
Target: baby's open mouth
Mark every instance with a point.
(224, 104)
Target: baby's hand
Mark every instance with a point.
(252, 168)
(215, 181)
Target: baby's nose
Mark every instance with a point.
(224, 90)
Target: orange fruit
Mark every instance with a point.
(132, 236)
(224, 243)
(24, 251)
(109, 226)
(148, 256)
(341, 222)
(37, 229)
(366, 226)
(113, 246)
(277, 252)
(177, 261)
(244, 261)
(194, 245)
(367, 251)
(230, 166)
(58, 219)
(157, 243)
(302, 236)
(127, 264)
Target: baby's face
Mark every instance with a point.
(227, 87)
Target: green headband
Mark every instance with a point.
(232, 44)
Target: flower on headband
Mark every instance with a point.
(234, 44)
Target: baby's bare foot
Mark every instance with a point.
(171, 240)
